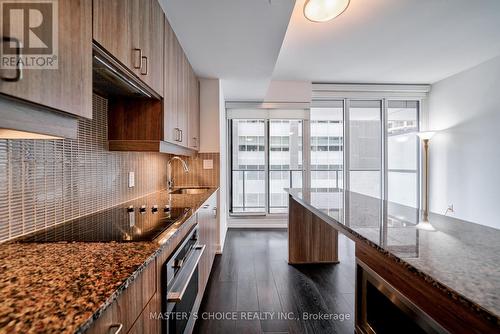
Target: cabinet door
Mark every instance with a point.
(149, 27)
(170, 78)
(129, 305)
(69, 87)
(207, 222)
(204, 238)
(182, 107)
(194, 112)
(115, 29)
(146, 323)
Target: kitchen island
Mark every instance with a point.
(407, 279)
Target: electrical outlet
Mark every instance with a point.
(450, 209)
(208, 164)
(131, 179)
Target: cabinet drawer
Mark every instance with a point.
(129, 305)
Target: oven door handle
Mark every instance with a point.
(179, 286)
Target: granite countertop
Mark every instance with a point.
(63, 287)
(462, 258)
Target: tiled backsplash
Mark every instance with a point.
(47, 182)
(197, 175)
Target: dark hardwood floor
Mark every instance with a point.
(253, 279)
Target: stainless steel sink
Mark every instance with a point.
(190, 191)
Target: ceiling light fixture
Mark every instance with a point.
(324, 10)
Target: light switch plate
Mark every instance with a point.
(131, 179)
(208, 164)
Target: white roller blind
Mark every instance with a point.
(353, 91)
(245, 110)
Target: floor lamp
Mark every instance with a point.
(424, 224)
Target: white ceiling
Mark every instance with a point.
(243, 42)
(391, 41)
(237, 41)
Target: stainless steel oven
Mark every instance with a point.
(381, 309)
(180, 284)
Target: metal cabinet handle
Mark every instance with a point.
(115, 329)
(182, 136)
(135, 50)
(206, 206)
(195, 142)
(19, 66)
(215, 211)
(145, 71)
(177, 134)
(179, 286)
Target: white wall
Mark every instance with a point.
(210, 104)
(223, 213)
(213, 139)
(289, 91)
(465, 154)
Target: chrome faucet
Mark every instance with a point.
(170, 181)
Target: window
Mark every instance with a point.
(402, 152)
(327, 134)
(355, 152)
(248, 166)
(259, 176)
(365, 147)
(285, 161)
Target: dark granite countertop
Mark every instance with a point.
(461, 257)
(63, 287)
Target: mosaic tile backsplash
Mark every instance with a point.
(46, 182)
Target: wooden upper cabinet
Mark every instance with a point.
(194, 112)
(170, 97)
(113, 30)
(179, 110)
(132, 31)
(149, 28)
(67, 88)
(181, 99)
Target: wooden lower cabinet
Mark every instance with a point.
(136, 307)
(207, 222)
(129, 305)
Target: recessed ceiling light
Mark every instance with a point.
(324, 10)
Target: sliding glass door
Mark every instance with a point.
(266, 157)
(248, 166)
(402, 152)
(365, 147)
(327, 145)
(285, 161)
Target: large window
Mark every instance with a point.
(366, 146)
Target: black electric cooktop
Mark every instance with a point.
(143, 219)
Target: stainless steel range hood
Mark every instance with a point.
(112, 79)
